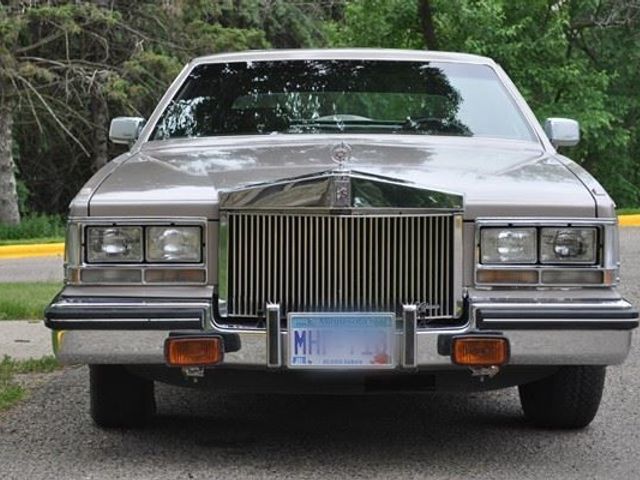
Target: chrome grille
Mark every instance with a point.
(338, 262)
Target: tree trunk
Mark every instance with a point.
(425, 12)
(9, 213)
(100, 118)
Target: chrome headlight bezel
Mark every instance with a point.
(80, 271)
(601, 272)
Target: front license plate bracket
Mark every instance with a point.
(341, 340)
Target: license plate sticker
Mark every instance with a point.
(342, 340)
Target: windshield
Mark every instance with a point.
(342, 96)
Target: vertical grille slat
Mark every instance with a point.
(318, 262)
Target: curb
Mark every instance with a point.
(629, 220)
(33, 250)
(52, 249)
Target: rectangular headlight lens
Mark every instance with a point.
(114, 244)
(508, 245)
(568, 245)
(174, 244)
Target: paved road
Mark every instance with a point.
(22, 339)
(204, 435)
(35, 269)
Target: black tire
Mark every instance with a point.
(568, 399)
(120, 399)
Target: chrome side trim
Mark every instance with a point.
(91, 313)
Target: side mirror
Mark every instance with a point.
(125, 129)
(563, 132)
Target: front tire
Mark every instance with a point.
(568, 399)
(120, 399)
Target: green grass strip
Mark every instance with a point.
(26, 300)
(627, 211)
(10, 391)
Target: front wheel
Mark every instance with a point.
(120, 399)
(568, 399)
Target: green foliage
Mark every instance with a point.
(60, 60)
(10, 391)
(377, 23)
(23, 196)
(26, 300)
(63, 60)
(628, 211)
(577, 59)
(45, 364)
(35, 226)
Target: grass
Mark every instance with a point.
(26, 300)
(628, 211)
(34, 227)
(12, 392)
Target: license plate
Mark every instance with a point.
(341, 340)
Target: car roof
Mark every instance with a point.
(344, 54)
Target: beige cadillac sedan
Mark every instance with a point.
(343, 221)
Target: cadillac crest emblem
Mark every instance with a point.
(341, 153)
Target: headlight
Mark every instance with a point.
(114, 244)
(508, 245)
(174, 244)
(568, 245)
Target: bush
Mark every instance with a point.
(34, 226)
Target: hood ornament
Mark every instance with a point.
(341, 154)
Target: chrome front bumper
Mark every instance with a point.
(133, 331)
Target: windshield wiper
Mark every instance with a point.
(341, 125)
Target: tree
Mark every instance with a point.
(425, 12)
(8, 196)
(73, 65)
(50, 68)
(574, 58)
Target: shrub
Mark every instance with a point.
(34, 226)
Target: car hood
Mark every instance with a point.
(496, 178)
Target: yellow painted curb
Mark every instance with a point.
(34, 250)
(629, 220)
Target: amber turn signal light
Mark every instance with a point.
(193, 351)
(480, 351)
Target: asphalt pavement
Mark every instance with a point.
(35, 269)
(205, 435)
(23, 339)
